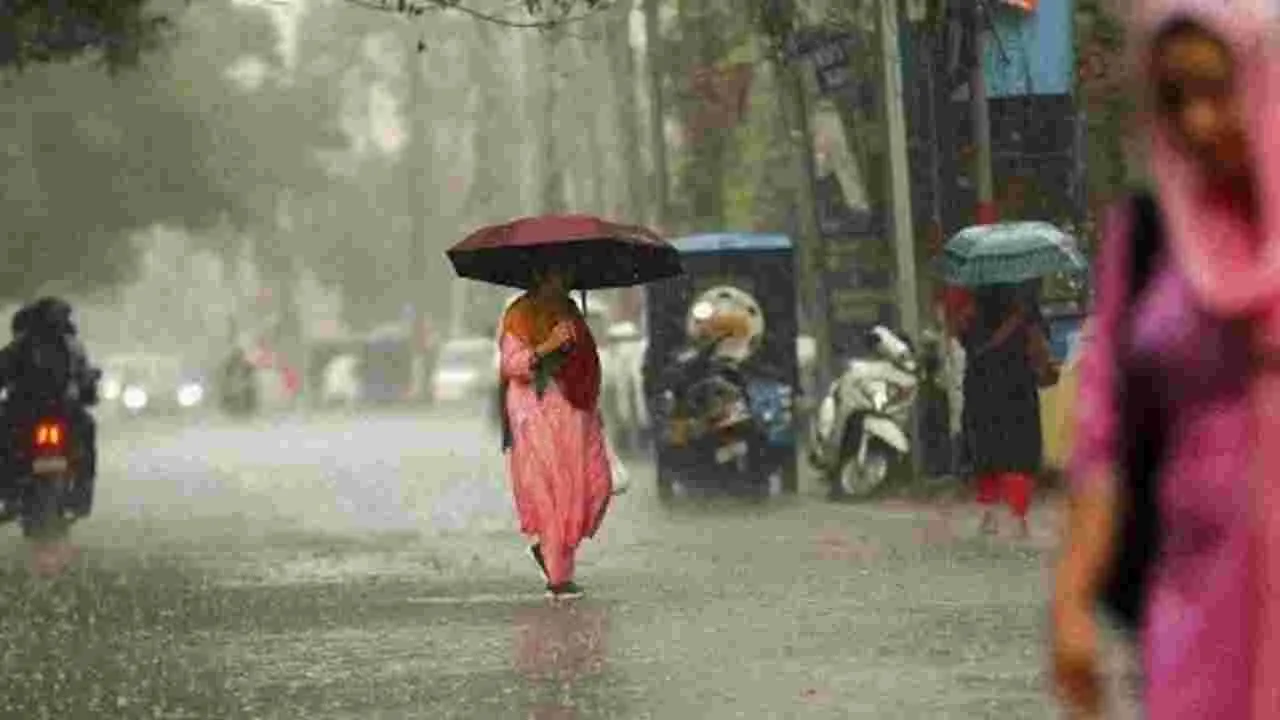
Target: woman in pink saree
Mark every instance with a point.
(1206, 328)
(553, 433)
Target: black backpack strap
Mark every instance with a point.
(1146, 239)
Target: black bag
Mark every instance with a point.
(1138, 523)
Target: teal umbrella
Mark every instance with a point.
(1008, 253)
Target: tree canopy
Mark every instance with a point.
(42, 31)
(173, 140)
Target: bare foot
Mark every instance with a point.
(989, 525)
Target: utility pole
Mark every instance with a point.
(778, 23)
(811, 241)
(414, 152)
(899, 172)
(657, 115)
(900, 195)
(980, 113)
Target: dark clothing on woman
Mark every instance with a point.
(1002, 399)
(935, 413)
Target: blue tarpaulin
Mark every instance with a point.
(730, 242)
(1031, 53)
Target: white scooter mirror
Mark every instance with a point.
(890, 345)
(879, 395)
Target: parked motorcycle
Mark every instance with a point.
(45, 459)
(861, 426)
(719, 425)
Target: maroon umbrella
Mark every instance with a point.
(599, 254)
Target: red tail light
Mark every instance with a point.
(50, 435)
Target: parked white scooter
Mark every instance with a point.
(861, 424)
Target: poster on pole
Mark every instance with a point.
(857, 257)
(858, 272)
(840, 191)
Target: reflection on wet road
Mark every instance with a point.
(330, 568)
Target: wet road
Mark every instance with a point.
(326, 568)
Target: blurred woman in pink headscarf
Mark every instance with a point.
(1203, 330)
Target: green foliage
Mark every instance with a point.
(170, 141)
(560, 7)
(754, 196)
(544, 14)
(34, 32)
(1109, 106)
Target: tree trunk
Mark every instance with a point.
(493, 193)
(552, 169)
(590, 163)
(793, 110)
(702, 179)
(421, 284)
(622, 72)
(1100, 39)
(489, 184)
(660, 210)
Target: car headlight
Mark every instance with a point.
(111, 389)
(190, 395)
(134, 398)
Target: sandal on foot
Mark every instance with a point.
(564, 591)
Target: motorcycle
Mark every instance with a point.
(719, 425)
(860, 429)
(239, 391)
(45, 457)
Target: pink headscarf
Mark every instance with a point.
(1233, 267)
(1232, 274)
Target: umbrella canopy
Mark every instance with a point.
(1008, 253)
(598, 253)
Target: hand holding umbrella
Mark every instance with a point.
(562, 338)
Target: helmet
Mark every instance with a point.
(730, 313)
(53, 312)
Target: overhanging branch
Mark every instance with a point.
(414, 8)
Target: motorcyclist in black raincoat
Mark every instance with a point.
(46, 364)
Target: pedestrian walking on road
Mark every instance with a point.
(552, 429)
(1002, 401)
(1179, 384)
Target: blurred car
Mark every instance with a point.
(465, 370)
(144, 383)
(342, 382)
